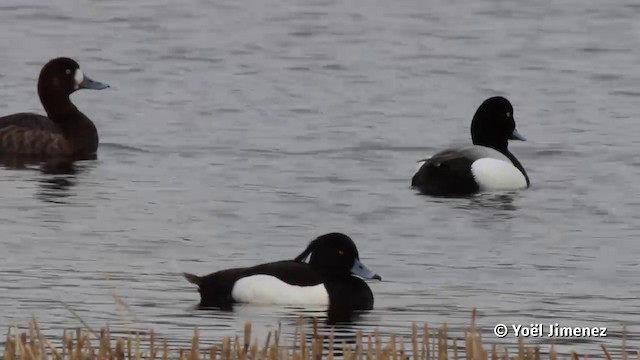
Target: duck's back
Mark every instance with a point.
(31, 134)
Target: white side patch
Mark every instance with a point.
(78, 77)
(269, 290)
(495, 174)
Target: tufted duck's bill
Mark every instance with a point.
(362, 271)
(88, 83)
(515, 135)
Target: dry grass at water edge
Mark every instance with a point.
(425, 344)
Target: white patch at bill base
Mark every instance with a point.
(78, 77)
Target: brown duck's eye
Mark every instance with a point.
(68, 71)
(340, 252)
(508, 114)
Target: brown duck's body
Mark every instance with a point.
(65, 131)
(36, 135)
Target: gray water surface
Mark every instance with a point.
(237, 131)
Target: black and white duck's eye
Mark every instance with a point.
(508, 114)
(67, 71)
(340, 252)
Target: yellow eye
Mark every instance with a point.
(508, 114)
(68, 71)
(340, 252)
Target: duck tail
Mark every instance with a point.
(194, 279)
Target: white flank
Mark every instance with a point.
(269, 290)
(496, 174)
(78, 77)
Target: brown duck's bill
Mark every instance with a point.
(360, 270)
(88, 83)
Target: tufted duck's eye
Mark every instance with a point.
(340, 252)
(67, 71)
(508, 114)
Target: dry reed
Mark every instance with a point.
(85, 344)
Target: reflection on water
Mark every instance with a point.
(290, 319)
(493, 200)
(56, 177)
(330, 317)
(503, 201)
(48, 165)
(55, 189)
